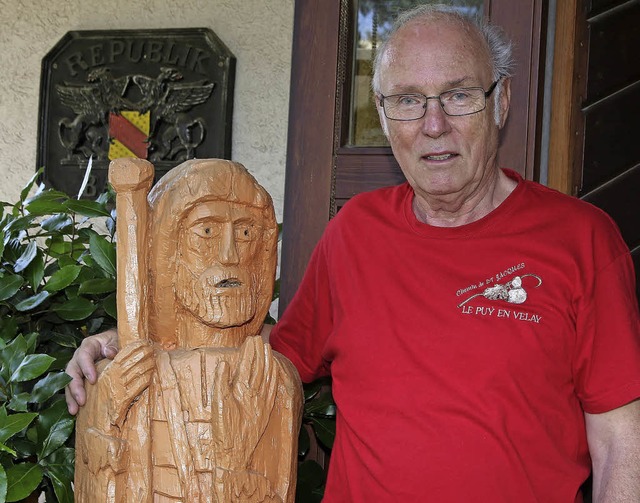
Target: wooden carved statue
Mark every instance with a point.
(195, 407)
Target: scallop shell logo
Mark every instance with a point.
(512, 291)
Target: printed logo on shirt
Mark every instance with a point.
(512, 291)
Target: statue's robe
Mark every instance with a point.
(164, 450)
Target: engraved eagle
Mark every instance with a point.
(91, 102)
(168, 99)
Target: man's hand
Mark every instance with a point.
(83, 365)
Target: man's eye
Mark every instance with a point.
(408, 101)
(458, 96)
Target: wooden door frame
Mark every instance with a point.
(566, 129)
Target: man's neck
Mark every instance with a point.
(457, 211)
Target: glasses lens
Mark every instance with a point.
(463, 101)
(404, 107)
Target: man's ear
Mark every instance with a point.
(504, 101)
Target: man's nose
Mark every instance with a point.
(228, 251)
(435, 122)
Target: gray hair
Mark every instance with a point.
(499, 46)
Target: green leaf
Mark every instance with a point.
(104, 253)
(27, 188)
(66, 340)
(86, 273)
(8, 450)
(14, 423)
(3, 484)
(65, 261)
(19, 402)
(59, 468)
(35, 271)
(32, 341)
(32, 366)
(71, 292)
(47, 195)
(109, 304)
(12, 356)
(55, 418)
(45, 206)
(8, 328)
(56, 437)
(62, 278)
(97, 286)
(87, 260)
(87, 208)
(321, 406)
(58, 246)
(15, 225)
(23, 479)
(9, 285)
(75, 309)
(62, 358)
(49, 386)
(2, 236)
(56, 222)
(32, 302)
(325, 430)
(27, 256)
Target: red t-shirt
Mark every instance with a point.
(463, 358)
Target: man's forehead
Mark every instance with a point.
(435, 50)
(223, 210)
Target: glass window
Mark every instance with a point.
(373, 22)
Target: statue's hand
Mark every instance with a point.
(242, 403)
(125, 378)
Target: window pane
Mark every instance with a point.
(373, 22)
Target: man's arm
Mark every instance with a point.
(83, 365)
(614, 444)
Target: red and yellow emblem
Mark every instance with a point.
(129, 133)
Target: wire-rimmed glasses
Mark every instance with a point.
(454, 102)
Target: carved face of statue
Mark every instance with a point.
(219, 257)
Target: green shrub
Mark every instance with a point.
(57, 285)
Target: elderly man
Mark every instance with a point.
(481, 330)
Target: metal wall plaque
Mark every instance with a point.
(162, 95)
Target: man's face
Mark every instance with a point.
(443, 157)
(218, 259)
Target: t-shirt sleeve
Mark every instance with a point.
(303, 329)
(607, 358)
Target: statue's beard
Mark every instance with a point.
(219, 297)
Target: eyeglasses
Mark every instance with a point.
(455, 102)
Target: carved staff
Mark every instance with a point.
(131, 179)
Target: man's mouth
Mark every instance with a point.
(229, 283)
(439, 157)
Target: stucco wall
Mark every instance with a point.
(258, 32)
